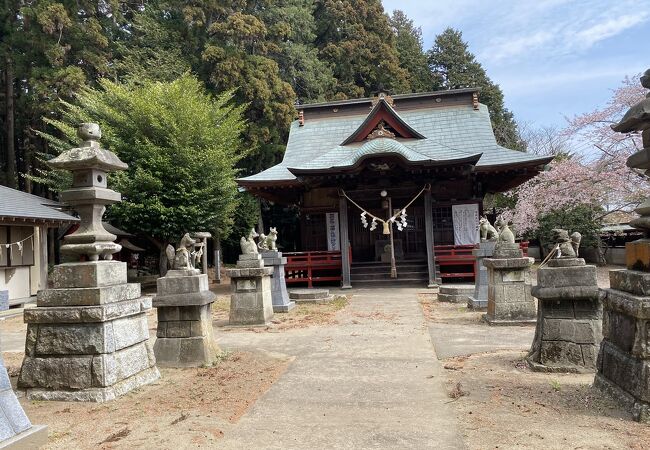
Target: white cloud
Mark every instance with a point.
(564, 54)
(568, 78)
(609, 28)
(514, 46)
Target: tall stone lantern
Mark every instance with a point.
(623, 367)
(88, 339)
(89, 194)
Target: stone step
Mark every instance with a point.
(386, 268)
(299, 295)
(390, 282)
(380, 276)
(459, 293)
(457, 289)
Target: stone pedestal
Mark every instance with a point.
(16, 431)
(569, 317)
(509, 299)
(87, 339)
(623, 367)
(184, 335)
(279, 294)
(479, 299)
(250, 301)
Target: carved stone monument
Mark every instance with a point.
(184, 335)
(569, 314)
(485, 249)
(202, 251)
(88, 339)
(623, 367)
(508, 272)
(250, 301)
(273, 258)
(16, 431)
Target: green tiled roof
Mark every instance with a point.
(20, 205)
(450, 133)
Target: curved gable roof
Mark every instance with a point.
(382, 111)
(457, 132)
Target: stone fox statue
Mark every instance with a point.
(505, 233)
(567, 246)
(248, 245)
(268, 242)
(488, 232)
(196, 255)
(181, 257)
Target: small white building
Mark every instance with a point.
(24, 220)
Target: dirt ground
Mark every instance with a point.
(501, 404)
(303, 315)
(186, 408)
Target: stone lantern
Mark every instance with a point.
(88, 338)
(89, 194)
(623, 367)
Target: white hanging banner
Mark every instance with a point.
(466, 226)
(333, 241)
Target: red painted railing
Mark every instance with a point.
(313, 267)
(458, 260)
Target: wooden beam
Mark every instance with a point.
(428, 229)
(345, 243)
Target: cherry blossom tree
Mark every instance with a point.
(593, 174)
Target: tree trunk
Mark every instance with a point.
(260, 221)
(12, 175)
(162, 258)
(163, 263)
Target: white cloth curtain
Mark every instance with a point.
(466, 226)
(333, 239)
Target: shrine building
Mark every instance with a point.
(432, 156)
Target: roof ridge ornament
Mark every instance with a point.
(382, 96)
(380, 131)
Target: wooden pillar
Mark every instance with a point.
(345, 243)
(428, 227)
(42, 256)
(204, 257)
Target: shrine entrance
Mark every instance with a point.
(410, 243)
(425, 152)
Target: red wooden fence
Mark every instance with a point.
(309, 267)
(458, 260)
(312, 266)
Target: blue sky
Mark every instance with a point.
(552, 58)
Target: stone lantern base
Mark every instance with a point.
(250, 302)
(88, 338)
(185, 335)
(479, 299)
(623, 367)
(569, 317)
(509, 299)
(279, 294)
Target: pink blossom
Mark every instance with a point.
(604, 181)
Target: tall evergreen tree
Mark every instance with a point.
(354, 37)
(154, 45)
(454, 66)
(236, 50)
(291, 25)
(408, 42)
(181, 145)
(50, 50)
